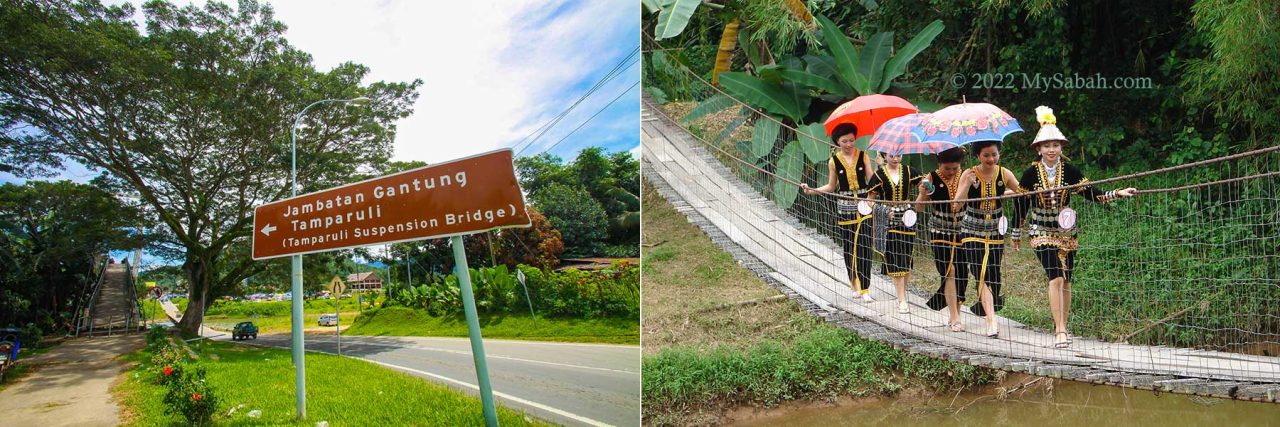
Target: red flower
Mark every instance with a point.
(168, 370)
(196, 396)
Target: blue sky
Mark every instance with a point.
(493, 71)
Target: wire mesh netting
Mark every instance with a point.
(1181, 279)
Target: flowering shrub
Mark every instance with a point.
(189, 395)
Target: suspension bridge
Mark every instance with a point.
(784, 247)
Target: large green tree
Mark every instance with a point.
(192, 117)
(570, 193)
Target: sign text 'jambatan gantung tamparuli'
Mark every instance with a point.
(462, 196)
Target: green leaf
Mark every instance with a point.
(658, 95)
(898, 64)
(926, 106)
(790, 167)
(652, 5)
(759, 93)
(874, 55)
(661, 63)
(753, 53)
(822, 177)
(732, 125)
(813, 140)
(744, 149)
(863, 144)
(821, 65)
(843, 52)
(674, 17)
(710, 105)
(770, 73)
(809, 79)
(763, 138)
(800, 97)
(825, 66)
(791, 62)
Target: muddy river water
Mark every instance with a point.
(1044, 403)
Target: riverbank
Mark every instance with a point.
(1018, 400)
(707, 357)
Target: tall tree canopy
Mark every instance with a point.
(191, 116)
(50, 235)
(592, 200)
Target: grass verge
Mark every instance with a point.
(342, 391)
(700, 360)
(402, 321)
(23, 366)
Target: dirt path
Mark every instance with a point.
(69, 385)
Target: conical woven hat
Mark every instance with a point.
(1048, 126)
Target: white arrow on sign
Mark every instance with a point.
(268, 229)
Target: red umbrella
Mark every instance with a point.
(868, 112)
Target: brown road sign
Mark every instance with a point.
(463, 196)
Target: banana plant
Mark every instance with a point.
(871, 70)
(785, 89)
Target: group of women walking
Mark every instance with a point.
(967, 228)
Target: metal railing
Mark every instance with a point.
(132, 283)
(84, 312)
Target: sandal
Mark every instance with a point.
(993, 332)
(957, 326)
(902, 307)
(1064, 343)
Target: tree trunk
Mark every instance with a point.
(199, 279)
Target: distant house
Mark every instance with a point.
(364, 281)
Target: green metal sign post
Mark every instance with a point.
(473, 326)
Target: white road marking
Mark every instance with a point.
(509, 397)
(468, 353)
(556, 411)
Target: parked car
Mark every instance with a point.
(244, 330)
(328, 320)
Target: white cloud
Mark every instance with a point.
(492, 72)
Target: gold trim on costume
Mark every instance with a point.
(981, 240)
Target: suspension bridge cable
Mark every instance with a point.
(614, 72)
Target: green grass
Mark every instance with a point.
(401, 321)
(342, 391)
(824, 363)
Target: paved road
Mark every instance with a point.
(574, 384)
